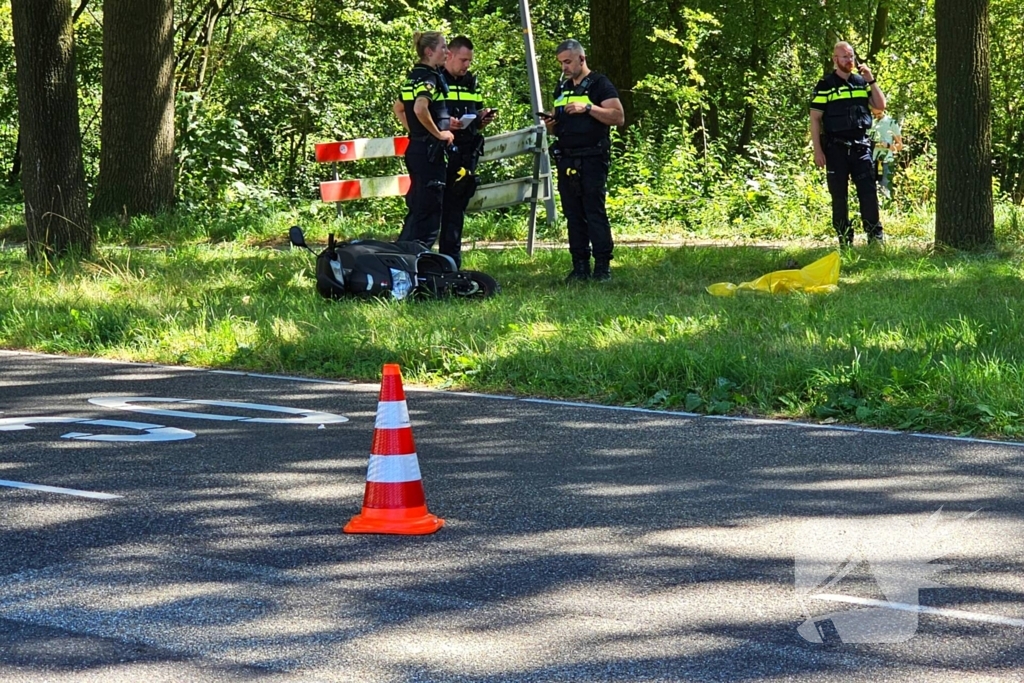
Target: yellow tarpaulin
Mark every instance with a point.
(820, 276)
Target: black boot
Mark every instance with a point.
(875, 233)
(580, 270)
(602, 269)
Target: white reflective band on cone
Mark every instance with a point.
(393, 469)
(392, 415)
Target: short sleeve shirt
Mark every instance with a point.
(843, 104)
(463, 98)
(576, 131)
(426, 82)
(885, 130)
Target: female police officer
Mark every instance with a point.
(423, 112)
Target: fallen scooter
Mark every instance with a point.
(399, 270)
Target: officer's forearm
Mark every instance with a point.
(422, 111)
(607, 115)
(816, 132)
(399, 110)
(877, 97)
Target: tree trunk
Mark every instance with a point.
(879, 30)
(964, 216)
(137, 128)
(609, 51)
(56, 210)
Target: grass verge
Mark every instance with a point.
(911, 340)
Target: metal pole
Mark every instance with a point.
(537, 103)
(539, 154)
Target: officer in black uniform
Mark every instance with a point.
(423, 112)
(840, 120)
(586, 107)
(463, 100)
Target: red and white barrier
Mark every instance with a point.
(361, 148)
(344, 190)
(493, 196)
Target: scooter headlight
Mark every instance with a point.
(401, 284)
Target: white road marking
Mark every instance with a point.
(57, 489)
(663, 413)
(307, 416)
(938, 611)
(153, 432)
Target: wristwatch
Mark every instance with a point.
(871, 82)
(588, 108)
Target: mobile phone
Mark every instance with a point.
(545, 115)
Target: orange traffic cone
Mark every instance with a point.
(394, 502)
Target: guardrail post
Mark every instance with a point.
(538, 155)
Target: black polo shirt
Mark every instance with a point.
(463, 98)
(844, 105)
(577, 131)
(424, 81)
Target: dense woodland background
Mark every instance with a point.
(212, 107)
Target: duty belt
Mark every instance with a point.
(846, 142)
(577, 152)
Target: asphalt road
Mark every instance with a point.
(581, 544)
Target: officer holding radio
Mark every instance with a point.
(840, 120)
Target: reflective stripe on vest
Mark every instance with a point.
(457, 93)
(411, 91)
(842, 93)
(569, 98)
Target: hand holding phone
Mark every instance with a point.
(545, 116)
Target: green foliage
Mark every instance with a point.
(720, 147)
(8, 86)
(1007, 25)
(213, 153)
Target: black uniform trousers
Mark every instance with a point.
(426, 164)
(846, 159)
(460, 186)
(582, 185)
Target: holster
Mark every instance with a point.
(478, 148)
(570, 169)
(464, 184)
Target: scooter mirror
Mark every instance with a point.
(296, 236)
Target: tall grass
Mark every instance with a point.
(911, 339)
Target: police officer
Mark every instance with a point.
(463, 100)
(839, 123)
(586, 106)
(423, 112)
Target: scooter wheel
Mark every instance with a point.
(473, 284)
